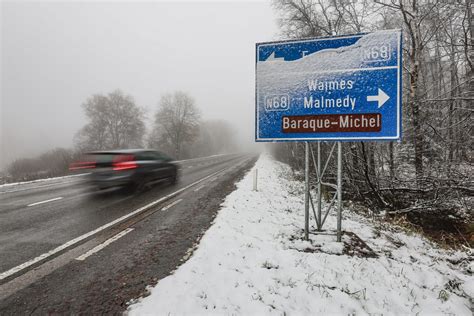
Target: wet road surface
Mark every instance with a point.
(109, 245)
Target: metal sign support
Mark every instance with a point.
(318, 213)
(339, 190)
(332, 89)
(306, 191)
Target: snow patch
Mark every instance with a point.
(254, 261)
(43, 180)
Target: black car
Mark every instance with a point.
(130, 168)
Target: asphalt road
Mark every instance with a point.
(67, 249)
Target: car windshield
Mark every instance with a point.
(103, 157)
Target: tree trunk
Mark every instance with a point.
(391, 161)
(371, 159)
(453, 84)
(415, 112)
(471, 50)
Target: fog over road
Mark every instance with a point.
(51, 230)
(72, 50)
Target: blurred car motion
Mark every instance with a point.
(129, 168)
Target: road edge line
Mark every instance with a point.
(101, 246)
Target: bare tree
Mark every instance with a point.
(309, 18)
(176, 123)
(429, 174)
(115, 121)
(414, 14)
(306, 18)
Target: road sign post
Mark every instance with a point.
(306, 191)
(345, 88)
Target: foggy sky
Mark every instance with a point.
(54, 55)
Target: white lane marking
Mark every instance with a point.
(190, 166)
(199, 188)
(167, 207)
(76, 240)
(45, 201)
(104, 244)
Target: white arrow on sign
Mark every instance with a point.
(381, 98)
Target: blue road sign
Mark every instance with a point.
(345, 88)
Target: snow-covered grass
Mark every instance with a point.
(42, 180)
(253, 261)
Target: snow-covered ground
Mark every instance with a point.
(253, 261)
(42, 180)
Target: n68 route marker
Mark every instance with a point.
(345, 88)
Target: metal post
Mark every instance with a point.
(306, 192)
(319, 187)
(339, 190)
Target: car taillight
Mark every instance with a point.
(82, 165)
(124, 162)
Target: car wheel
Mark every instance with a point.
(136, 187)
(174, 178)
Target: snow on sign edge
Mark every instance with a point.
(327, 61)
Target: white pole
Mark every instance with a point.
(255, 176)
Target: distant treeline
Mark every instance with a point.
(114, 121)
(52, 163)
